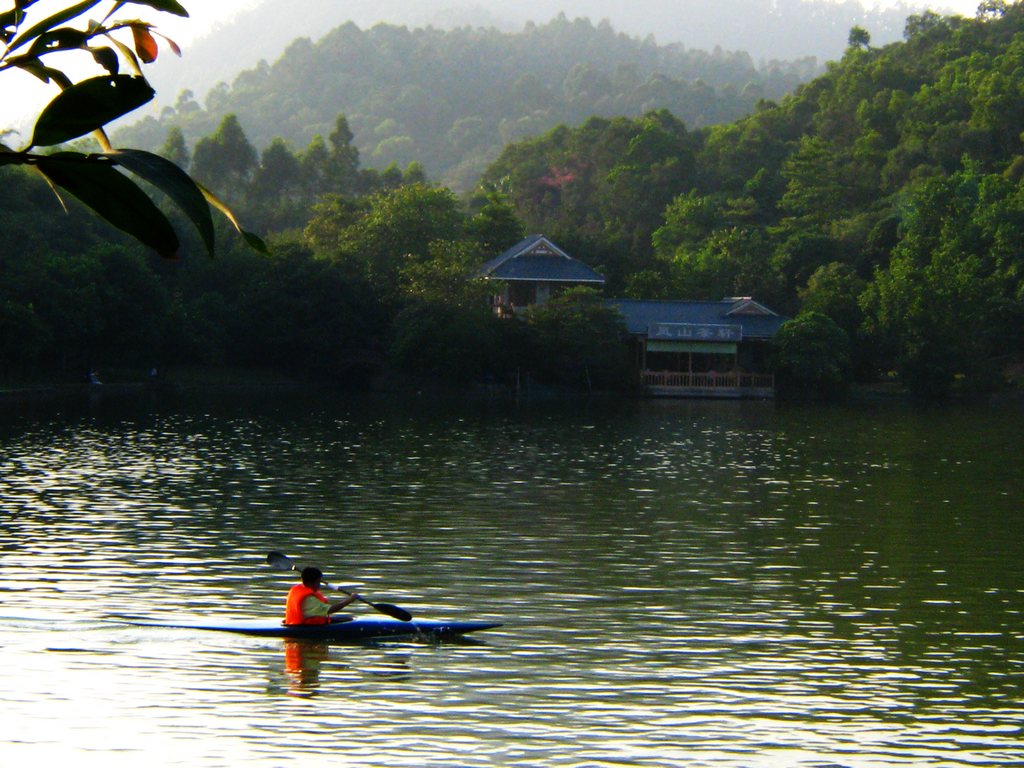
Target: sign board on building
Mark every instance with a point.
(695, 332)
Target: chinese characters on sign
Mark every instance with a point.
(695, 332)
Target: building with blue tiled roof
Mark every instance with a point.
(533, 271)
(702, 348)
(682, 348)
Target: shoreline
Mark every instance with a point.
(187, 381)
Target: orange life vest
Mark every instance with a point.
(293, 607)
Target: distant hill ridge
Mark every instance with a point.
(765, 29)
(451, 99)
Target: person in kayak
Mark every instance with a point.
(307, 605)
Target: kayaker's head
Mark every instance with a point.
(311, 577)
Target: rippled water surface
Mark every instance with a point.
(681, 583)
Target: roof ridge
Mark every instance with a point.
(509, 253)
(523, 248)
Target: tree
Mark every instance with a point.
(226, 158)
(992, 9)
(70, 296)
(730, 262)
(812, 357)
(398, 150)
(343, 161)
(834, 290)
(23, 336)
(87, 106)
(801, 252)
(446, 328)
(279, 175)
(314, 164)
(656, 163)
(447, 276)
(859, 38)
(175, 149)
(581, 341)
(495, 226)
(936, 306)
(133, 306)
(398, 226)
(688, 220)
(326, 232)
(814, 189)
(452, 342)
(303, 316)
(277, 195)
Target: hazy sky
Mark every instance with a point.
(203, 18)
(22, 96)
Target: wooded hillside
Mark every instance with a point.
(886, 193)
(881, 205)
(451, 100)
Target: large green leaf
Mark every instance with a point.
(106, 58)
(9, 21)
(129, 55)
(170, 6)
(172, 181)
(61, 39)
(96, 182)
(251, 238)
(89, 105)
(49, 23)
(44, 73)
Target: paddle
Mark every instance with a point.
(282, 562)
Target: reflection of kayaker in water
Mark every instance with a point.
(302, 661)
(307, 605)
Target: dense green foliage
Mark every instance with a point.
(886, 194)
(812, 357)
(82, 296)
(581, 341)
(880, 205)
(377, 279)
(28, 44)
(451, 99)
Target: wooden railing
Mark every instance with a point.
(686, 380)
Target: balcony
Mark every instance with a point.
(708, 384)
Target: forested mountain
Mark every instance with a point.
(451, 100)
(783, 29)
(881, 205)
(887, 194)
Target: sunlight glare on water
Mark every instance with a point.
(719, 584)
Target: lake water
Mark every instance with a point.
(681, 583)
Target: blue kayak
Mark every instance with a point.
(356, 629)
